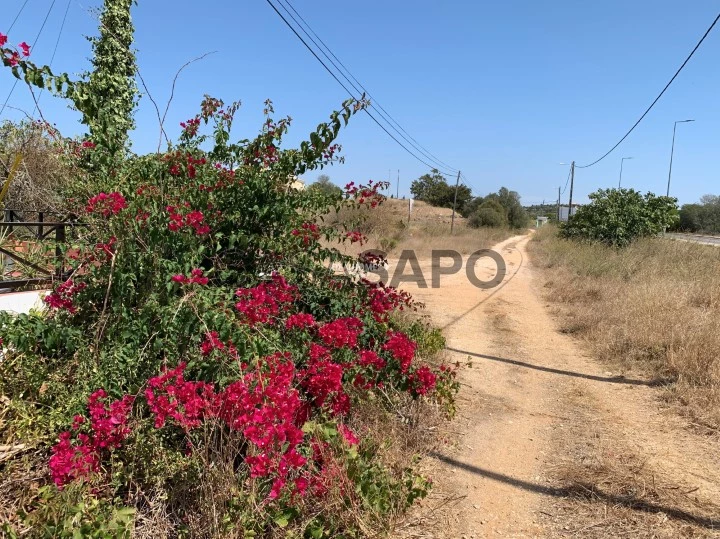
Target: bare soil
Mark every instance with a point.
(548, 442)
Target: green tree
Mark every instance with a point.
(324, 186)
(106, 96)
(434, 189)
(691, 217)
(491, 214)
(509, 201)
(111, 84)
(619, 216)
(471, 206)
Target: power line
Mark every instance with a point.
(658, 97)
(373, 102)
(57, 43)
(566, 183)
(18, 15)
(348, 91)
(37, 37)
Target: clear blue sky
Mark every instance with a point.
(502, 90)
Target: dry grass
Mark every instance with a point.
(428, 228)
(604, 488)
(653, 306)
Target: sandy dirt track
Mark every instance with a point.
(533, 402)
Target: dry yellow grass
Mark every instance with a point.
(653, 306)
(611, 488)
(390, 229)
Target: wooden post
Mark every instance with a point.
(572, 182)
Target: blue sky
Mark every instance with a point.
(502, 90)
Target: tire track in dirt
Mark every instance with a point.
(533, 403)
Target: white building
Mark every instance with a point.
(564, 211)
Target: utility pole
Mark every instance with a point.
(572, 182)
(558, 209)
(457, 184)
(389, 182)
(398, 185)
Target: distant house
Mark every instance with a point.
(564, 212)
(540, 221)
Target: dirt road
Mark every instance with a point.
(548, 442)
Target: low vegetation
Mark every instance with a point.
(41, 173)
(701, 217)
(203, 372)
(496, 210)
(392, 228)
(619, 216)
(653, 306)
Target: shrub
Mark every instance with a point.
(619, 216)
(490, 213)
(203, 371)
(43, 174)
(202, 331)
(497, 210)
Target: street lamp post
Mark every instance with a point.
(621, 167)
(672, 151)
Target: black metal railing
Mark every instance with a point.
(29, 227)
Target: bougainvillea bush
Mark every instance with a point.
(203, 371)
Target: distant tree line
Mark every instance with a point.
(543, 210)
(501, 209)
(701, 217)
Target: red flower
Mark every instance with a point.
(401, 348)
(62, 296)
(300, 321)
(3, 39)
(211, 342)
(422, 381)
(25, 49)
(341, 332)
(108, 425)
(348, 434)
(13, 59)
(368, 358)
(107, 204)
(356, 237)
(258, 305)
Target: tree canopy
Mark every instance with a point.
(324, 185)
(434, 189)
(619, 216)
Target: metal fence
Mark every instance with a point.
(31, 228)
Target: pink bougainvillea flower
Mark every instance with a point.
(348, 434)
(13, 59)
(341, 332)
(107, 204)
(3, 39)
(401, 347)
(25, 49)
(300, 321)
